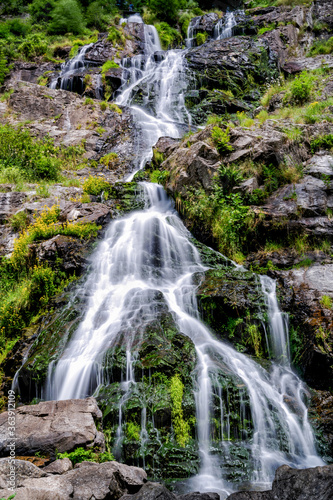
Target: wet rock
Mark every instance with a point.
(321, 418)
(283, 15)
(151, 491)
(59, 466)
(196, 495)
(70, 250)
(298, 484)
(88, 480)
(281, 41)
(205, 23)
(10, 203)
(233, 63)
(104, 50)
(62, 426)
(322, 13)
(30, 71)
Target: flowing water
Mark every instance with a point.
(149, 252)
(69, 69)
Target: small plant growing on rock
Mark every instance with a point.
(113, 107)
(109, 65)
(181, 427)
(88, 101)
(326, 302)
(301, 88)
(201, 38)
(221, 139)
(108, 159)
(95, 186)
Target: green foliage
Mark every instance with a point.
(19, 221)
(159, 177)
(321, 47)
(81, 455)
(88, 101)
(170, 37)
(96, 185)
(113, 107)
(133, 431)
(41, 10)
(34, 45)
(326, 302)
(108, 65)
(34, 159)
(301, 87)
(67, 18)
(254, 338)
(201, 38)
(264, 29)
(108, 159)
(322, 142)
(181, 427)
(169, 14)
(116, 35)
(4, 69)
(221, 139)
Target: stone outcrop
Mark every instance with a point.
(53, 426)
(70, 121)
(296, 484)
(87, 480)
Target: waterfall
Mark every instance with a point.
(148, 253)
(64, 80)
(223, 28)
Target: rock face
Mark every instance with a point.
(62, 426)
(295, 484)
(88, 480)
(66, 118)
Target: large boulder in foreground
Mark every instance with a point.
(86, 481)
(295, 484)
(53, 425)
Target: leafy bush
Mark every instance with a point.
(109, 65)
(221, 139)
(169, 37)
(301, 87)
(96, 185)
(133, 431)
(66, 18)
(33, 46)
(116, 35)
(41, 10)
(181, 427)
(322, 142)
(321, 47)
(34, 158)
(81, 455)
(201, 38)
(4, 70)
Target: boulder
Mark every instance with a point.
(151, 491)
(295, 484)
(88, 480)
(193, 166)
(62, 426)
(59, 466)
(196, 495)
(23, 470)
(205, 23)
(67, 248)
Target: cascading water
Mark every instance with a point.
(148, 253)
(223, 28)
(64, 80)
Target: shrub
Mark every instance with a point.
(66, 18)
(301, 87)
(4, 69)
(95, 186)
(169, 36)
(81, 455)
(326, 302)
(41, 10)
(201, 38)
(322, 142)
(133, 431)
(34, 158)
(19, 221)
(33, 46)
(109, 65)
(116, 35)
(321, 47)
(108, 159)
(221, 139)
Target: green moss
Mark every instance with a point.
(181, 427)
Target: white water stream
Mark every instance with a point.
(148, 252)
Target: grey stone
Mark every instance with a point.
(62, 426)
(151, 491)
(59, 466)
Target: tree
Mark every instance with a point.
(170, 13)
(67, 18)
